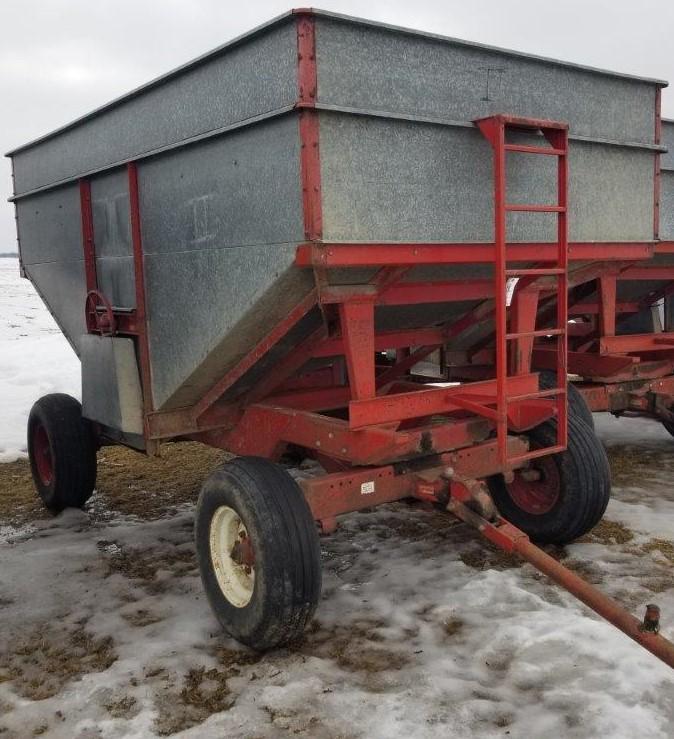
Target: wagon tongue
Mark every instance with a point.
(468, 504)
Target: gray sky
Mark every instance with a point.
(61, 58)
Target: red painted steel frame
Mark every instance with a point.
(310, 163)
(139, 277)
(345, 254)
(88, 236)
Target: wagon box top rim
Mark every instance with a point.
(284, 17)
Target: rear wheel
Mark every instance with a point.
(258, 552)
(62, 452)
(559, 497)
(576, 402)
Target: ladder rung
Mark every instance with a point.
(536, 453)
(535, 150)
(521, 207)
(540, 332)
(535, 271)
(550, 393)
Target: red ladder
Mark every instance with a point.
(494, 128)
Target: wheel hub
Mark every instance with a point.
(42, 455)
(535, 489)
(232, 556)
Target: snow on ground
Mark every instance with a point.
(35, 359)
(422, 631)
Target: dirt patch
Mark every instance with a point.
(141, 617)
(662, 546)
(626, 463)
(485, 556)
(356, 647)
(19, 503)
(38, 664)
(148, 487)
(452, 626)
(128, 482)
(124, 706)
(202, 693)
(608, 532)
(146, 564)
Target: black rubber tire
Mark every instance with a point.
(576, 402)
(583, 492)
(72, 449)
(284, 537)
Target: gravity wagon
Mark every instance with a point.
(257, 250)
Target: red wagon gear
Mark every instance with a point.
(332, 375)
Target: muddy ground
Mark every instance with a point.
(146, 580)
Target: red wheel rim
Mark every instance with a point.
(536, 496)
(42, 455)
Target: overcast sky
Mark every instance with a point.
(61, 58)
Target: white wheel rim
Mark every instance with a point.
(236, 578)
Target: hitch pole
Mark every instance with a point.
(511, 539)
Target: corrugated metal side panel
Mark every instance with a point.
(373, 69)
(248, 80)
(52, 257)
(220, 221)
(393, 180)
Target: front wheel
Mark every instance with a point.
(62, 452)
(559, 497)
(258, 552)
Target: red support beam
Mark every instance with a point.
(139, 277)
(585, 364)
(351, 490)
(260, 349)
(607, 298)
(334, 346)
(649, 272)
(88, 245)
(407, 293)
(394, 253)
(390, 408)
(287, 367)
(581, 309)
(633, 343)
(310, 162)
(356, 320)
(264, 430)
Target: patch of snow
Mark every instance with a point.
(35, 358)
